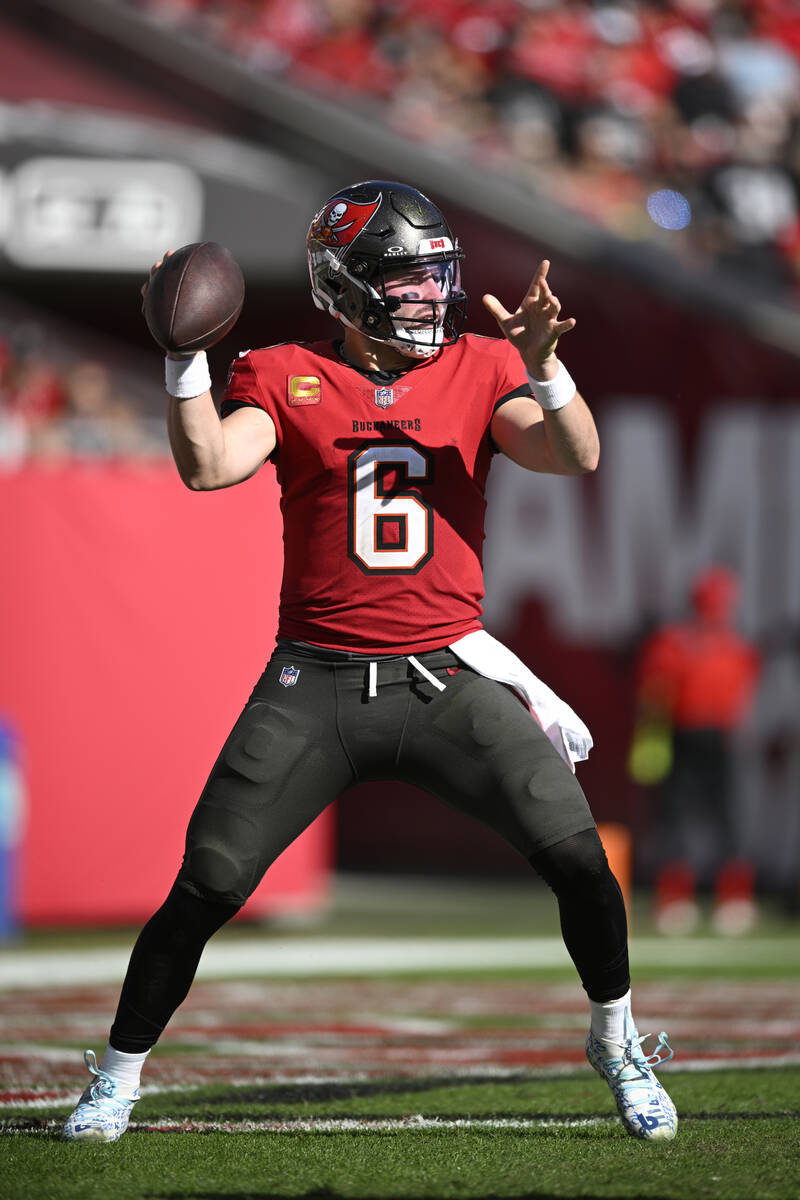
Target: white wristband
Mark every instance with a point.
(186, 377)
(556, 392)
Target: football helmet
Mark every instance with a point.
(382, 259)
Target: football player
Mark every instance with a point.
(382, 440)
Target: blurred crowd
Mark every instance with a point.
(53, 408)
(677, 120)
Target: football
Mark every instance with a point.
(194, 298)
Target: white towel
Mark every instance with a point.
(562, 726)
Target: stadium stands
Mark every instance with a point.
(674, 120)
(63, 398)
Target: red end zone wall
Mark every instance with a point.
(135, 617)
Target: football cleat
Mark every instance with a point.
(645, 1108)
(103, 1112)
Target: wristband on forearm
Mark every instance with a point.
(187, 377)
(554, 393)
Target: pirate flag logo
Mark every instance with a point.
(341, 221)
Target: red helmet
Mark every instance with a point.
(715, 592)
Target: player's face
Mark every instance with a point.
(415, 294)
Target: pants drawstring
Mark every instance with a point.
(372, 677)
(426, 674)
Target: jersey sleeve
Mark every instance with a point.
(512, 379)
(244, 389)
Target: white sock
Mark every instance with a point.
(126, 1068)
(609, 1019)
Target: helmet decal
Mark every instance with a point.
(431, 245)
(341, 221)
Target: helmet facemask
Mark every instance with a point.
(417, 305)
(424, 302)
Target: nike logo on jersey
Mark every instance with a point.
(413, 423)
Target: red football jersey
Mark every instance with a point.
(701, 678)
(382, 488)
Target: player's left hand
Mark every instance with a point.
(534, 329)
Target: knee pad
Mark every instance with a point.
(212, 874)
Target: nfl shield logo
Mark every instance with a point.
(288, 676)
(384, 397)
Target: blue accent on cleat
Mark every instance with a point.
(102, 1113)
(645, 1108)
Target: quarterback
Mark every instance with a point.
(382, 440)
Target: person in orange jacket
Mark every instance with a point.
(695, 686)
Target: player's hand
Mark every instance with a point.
(153, 269)
(534, 329)
(145, 286)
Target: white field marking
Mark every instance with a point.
(372, 956)
(61, 1097)
(415, 1122)
(730, 1064)
(413, 1026)
(26, 1050)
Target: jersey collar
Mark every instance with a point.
(382, 378)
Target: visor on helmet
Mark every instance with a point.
(421, 281)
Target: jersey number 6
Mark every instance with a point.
(389, 528)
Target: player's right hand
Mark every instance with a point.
(153, 269)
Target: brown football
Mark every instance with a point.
(194, 298)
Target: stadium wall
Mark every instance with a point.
(135, 618)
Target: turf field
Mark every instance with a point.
(407, 1082)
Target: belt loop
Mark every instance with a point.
(373, 680)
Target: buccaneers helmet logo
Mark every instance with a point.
(341, 221)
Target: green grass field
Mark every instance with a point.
(738, 1138)
(413, 1084)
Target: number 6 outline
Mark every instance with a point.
(400, 461)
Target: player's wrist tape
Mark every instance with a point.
(186, 377)
(556, 392)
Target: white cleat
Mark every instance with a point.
(103, 1111)
(645, 1108)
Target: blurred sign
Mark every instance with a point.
(95, 214)
(93, 191)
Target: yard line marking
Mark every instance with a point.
(412, 1122)
(303, 957)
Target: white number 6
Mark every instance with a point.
(390, 531)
